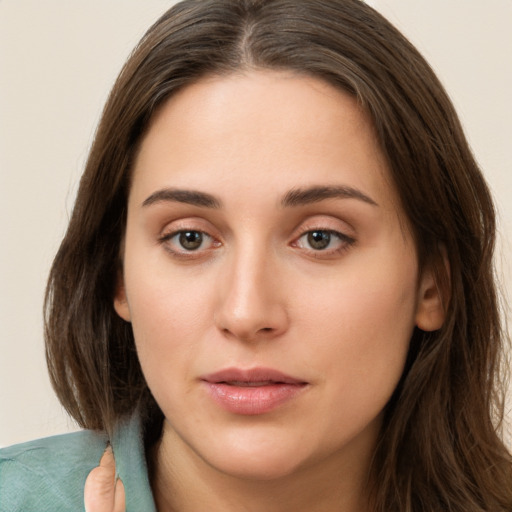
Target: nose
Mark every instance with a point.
(251, 300)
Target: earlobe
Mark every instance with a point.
(430, 311)
(120, 299)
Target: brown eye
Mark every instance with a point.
(188, 243)
(319, 240)
(323, 243)
(190, 240)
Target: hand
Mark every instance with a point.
(102, 492)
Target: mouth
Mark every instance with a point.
(251, 377)
(250, 384)
(252, 392)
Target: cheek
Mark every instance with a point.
(361, 324)
(166, 333)
(168, 316)
(163, 300)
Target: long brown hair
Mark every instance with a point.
(439, 448)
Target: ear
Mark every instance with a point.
(120, 299)
(430, 310)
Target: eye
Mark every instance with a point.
(190, 240)
(326, 240)
(187, 241)
(319, 240)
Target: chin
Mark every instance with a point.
(265, 455)
(260, 467)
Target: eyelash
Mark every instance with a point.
(344, 241)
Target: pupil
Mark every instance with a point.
(319, 239)
(191, 240)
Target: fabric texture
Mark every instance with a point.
(48, 475)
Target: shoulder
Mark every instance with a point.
(48, 474)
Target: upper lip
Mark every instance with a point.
(251, 375)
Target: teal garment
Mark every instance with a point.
(48, 475)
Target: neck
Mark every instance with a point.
(183, 482)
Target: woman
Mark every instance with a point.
(276, 289)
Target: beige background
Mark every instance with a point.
(58, 60)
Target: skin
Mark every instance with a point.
(257, 293)
(103, 493)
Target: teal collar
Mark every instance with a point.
(131, 467)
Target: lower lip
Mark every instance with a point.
(253, 400)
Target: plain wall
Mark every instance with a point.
(58, 60)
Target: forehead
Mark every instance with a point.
(277, 129)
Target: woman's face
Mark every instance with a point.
(269, 275)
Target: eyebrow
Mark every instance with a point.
(295, 197)
(192, 197)
(315, 194)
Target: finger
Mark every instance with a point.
(100, 486)
(120, 497)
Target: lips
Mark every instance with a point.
(258, 376)
(252, 392)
